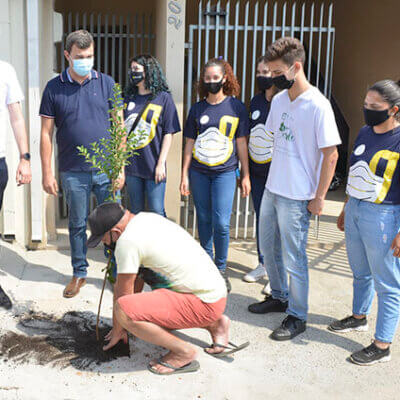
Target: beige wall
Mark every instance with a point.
(367, 50)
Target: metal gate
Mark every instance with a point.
(117, 39)
(240, 32)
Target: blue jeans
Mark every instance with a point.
(3, 178)
(370, 229)
(77, 187)
(139, 189)
(213, 198)
(283, 228)
(257, 190)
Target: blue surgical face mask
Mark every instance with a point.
(82, 66)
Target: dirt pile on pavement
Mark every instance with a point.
(70, 340)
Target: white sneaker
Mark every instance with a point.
(256, 274)
(267, 289)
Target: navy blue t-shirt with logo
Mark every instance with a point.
(374, 173)
(80, 113)
(260, 141)
(158, 119)
(215, 128)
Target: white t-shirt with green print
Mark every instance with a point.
(301, 128)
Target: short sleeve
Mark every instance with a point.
(127, 257)
(170, 122)
(190, 130)
(326, 129)
(110, 94)
(47, 108)
(14, 91)
(244, 122)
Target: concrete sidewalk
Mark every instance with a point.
(312, 365)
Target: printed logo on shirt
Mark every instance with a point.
(204, 119)
(284, 130)
(214, 146)
(255, 115)
(364, 183)
(146, 127)
(260, 144)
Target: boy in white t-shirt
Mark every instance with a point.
(303, 164)
(10, 103)
(187, 289)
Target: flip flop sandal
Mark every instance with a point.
(191, 367)
(230, 349)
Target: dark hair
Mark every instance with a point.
(231, 86)
(154, 79)
(262, 59)
(390, 92)
(81, 38)
(287, 49)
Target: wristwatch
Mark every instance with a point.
(25, 156)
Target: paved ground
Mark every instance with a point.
(312, 365)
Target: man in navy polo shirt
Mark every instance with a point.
(77, 103)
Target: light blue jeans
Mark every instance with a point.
(257, 190)
(370, 229)
(213, 198)
(139, 189)
(77, 187)
(283, 229)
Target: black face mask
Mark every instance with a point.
(375, 117)
(136, 77)
(281, 82)
(264, 83)
(213, 87)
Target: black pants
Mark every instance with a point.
(3, 178)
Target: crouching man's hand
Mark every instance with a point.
(114, 336)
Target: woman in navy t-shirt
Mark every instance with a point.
(146, 173)
(216, 138)
(371, 221)
(260, 151)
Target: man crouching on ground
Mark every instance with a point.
(188, 291)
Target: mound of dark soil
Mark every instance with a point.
(70, 340)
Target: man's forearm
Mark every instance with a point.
(45, 154)
(123, 286)
(327, 172)
(18, 126)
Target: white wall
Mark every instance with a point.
(16, 213)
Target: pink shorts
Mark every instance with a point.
(171, 310)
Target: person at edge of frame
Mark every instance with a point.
(371, 220)
(77, 103)
(11, 97)
(305, 134)
(216, 133)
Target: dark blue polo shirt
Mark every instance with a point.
(80, 112)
